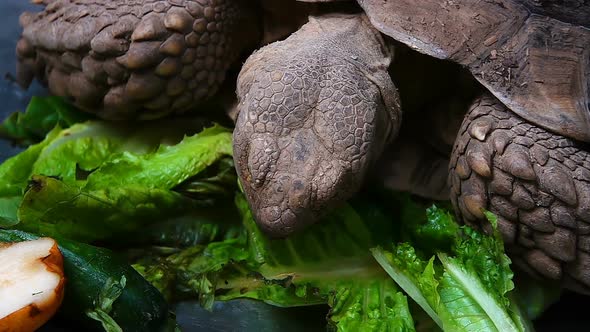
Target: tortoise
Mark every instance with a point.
(317, 108)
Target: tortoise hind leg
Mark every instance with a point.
(536, 182)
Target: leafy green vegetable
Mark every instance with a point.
(8, 210)
(54, 208)
(167, 167)
(15, 173)
(95, 181)
(168, 185)
(353, 308)
(202, 225)
(219, 179)
(104, 304)
(466, 289)
(40, 117)
(440, 229)
(414, 275)
(329, 263)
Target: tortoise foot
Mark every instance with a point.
(134, 59)
(314, 111)
(536, 182)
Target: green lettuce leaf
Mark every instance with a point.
(54, 208)
(414, 275)
(376, 306)
(15, 172)
(40, 117)
(209, 223)
(95, 146)
(109, 294)
(329, 263)
(465, 289)
(166, 167)
(99, 181)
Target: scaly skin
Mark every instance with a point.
(536, 182)
(315, 111)
(124, 59)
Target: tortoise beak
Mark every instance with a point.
(286, 180)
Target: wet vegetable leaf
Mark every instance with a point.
(465, 289)
(40, 117)
(54, 208)
(329, 263)
(96, 180)
(109, 294)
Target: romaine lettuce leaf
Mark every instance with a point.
(465, 289)
(168, 166)
(40, 117)
(103, 181)
(54, 208)
(328, 263)
(99, 180)
(16, 171)
(414, 275)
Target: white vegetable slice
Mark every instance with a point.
(31, 283)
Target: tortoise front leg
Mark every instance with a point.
(134, 59)
(535, 181)
(314, 111)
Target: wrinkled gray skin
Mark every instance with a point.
(315, 111)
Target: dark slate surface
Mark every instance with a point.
(12, 97)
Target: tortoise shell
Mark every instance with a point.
(534, 56)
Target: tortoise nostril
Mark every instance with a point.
(269, 215)
(278, 223)
(298, 185)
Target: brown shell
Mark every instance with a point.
(533, 55)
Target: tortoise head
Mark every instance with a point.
(315, 111)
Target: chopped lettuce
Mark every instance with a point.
(168, 182)
(465, 289)
(109, 294)
(168, 166)
(414, 275)
(16, 171)
(97, 181)
(329, 263)
(54, 208)
(374, 306)
(215, 222)
(40, 117)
